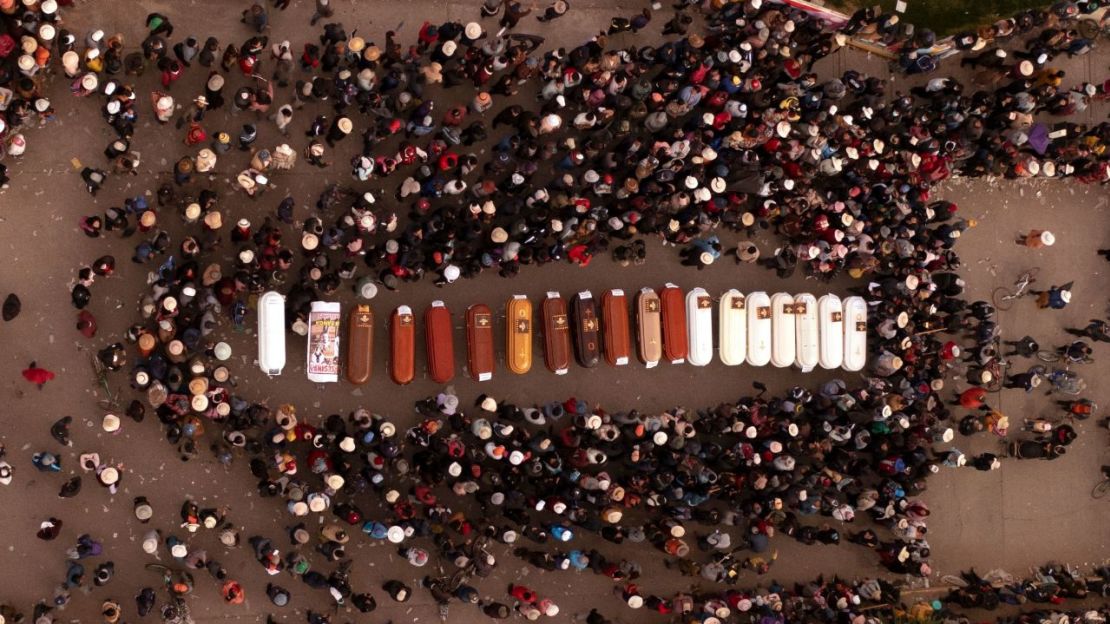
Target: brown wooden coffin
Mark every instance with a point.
(440, 342)
(615, 330)
(648, 327)
(360, 347)
(587, 337)
(479, 342)
(402, 345)
(556, 334)
(676, 344)
(518, 334)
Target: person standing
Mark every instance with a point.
(323, 10)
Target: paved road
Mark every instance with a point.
(1024, 514)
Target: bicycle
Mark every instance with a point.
(1004, 297)
(1059, 355)
(111, 401)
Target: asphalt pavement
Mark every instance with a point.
(1024, 514)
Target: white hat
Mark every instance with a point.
(299, 508)
(706, 258)
(473, 30)
(111, 423)
(150, 543)
(455, 469)
(222, 351)
(317, 502)
(499, 235)
(5, 473)
(451, 273)
(143, 511)
(179, 551)
(89, 82)
(516, 458)
(26, 63)
(782, 129)
(109, 476)
(216, 82)
(309, 241)
(635, 601)
(347, 444)
(489, 404)
(1048, 238)
(449, 48)
(335, 481)
(1065, 295)
(395, 534)
(345, 125)
(717, 185)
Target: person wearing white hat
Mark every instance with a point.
(1037, 239)
(111, 423)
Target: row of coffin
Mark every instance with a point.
(781, 329)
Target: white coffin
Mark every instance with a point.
(323, 342)
(271, 333)
(830, 324)
(699, 327)
(733, 319)
(855, 333)
(783, 330)
(806, 334)
(759, 328)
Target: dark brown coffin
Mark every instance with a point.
(360, 346)
(402, 345)
(676, 344)
(648, 326)
(556, 334)
(440, 342)
(587, 337)
(479, 342)
(615, 328)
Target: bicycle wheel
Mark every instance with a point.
(1003, 298)
(1102, 489)
(1046, 355)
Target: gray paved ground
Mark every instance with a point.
(1022, 515)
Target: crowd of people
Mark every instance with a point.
(601, 145)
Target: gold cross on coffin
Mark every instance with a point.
(522, 326)
(589, 324)
(483, 321)
(652, 305)
(364, 318)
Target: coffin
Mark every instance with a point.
(855, 333)
(360, 344)
(440, 342)
(806, 332)
(518, 337)
(648, 328)
(556, 334)
(699, 326)
(783, 330)
(271, 333)
(616, 332)
(402, 345)
(479, 342)
(759, 328)
(323, 342)
(587, 337)
(830, 330)
(732, 318)
(675, 345)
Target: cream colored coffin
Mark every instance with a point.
(783, 330)
(806, 335)
(732, 319)
(855, 333)
(699, 327)
(830, 329)
(759, 328)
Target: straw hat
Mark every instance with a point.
(372, 53)
(109, 476)
(199, 403)
(89, 82)
(215, 83)
(213, 220)
(356, 45)
(111, 423)
(499, 235)
(473, 30)
(335, 481)
(345, 125)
